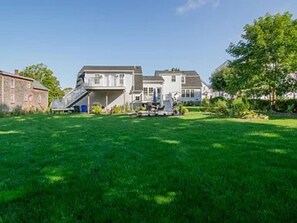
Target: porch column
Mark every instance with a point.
(124, 93)
(161, 96)
(106, 100)
(88, 102)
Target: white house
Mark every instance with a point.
(186, 84)
(126, 86)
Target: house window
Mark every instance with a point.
(159, 90)
(121, 79)
(12, 98)
(25, 97)
(183, 93)
(97, 80)
(28, 85)
(173, 78)
(183, 79)
(12, 83)
(151, 90)
(39, 99)
(187, 93)
(192, 93)
(145, 91)
(137, 98)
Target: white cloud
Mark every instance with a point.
(195, 4)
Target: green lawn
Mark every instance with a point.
(196, 168)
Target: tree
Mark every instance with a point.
(45, 76)
(267, 54)
(175, 69)
(223, 79)
(218, 80)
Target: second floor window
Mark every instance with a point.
(28, 85)
(97, 80)
(183, 79)
(145, 91)
(173, 78)
(121, 79)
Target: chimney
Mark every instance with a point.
(16, 72)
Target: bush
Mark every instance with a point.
(213, 101)
(127, 107)
(205, 102)
(190, 103)
(254, 115)
(17, 111)
(239, 107)
(97, 109)
(117, 109)
(140, 108)
(259, 104)
(182, 110)
(286, 105)
(221, 107)
(2, 114)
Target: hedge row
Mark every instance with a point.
(281, 105)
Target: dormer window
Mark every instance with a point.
(173, 78)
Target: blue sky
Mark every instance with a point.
(156, 34)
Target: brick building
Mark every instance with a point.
(16, 90)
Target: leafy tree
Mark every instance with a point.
(224, 79)
(218, 80)
(45, 76)
(266, 55)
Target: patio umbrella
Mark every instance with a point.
(155, 96)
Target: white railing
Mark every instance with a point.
(69, 98)
(74, 94)
(105, 82)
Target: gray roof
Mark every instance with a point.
(192, 77)
(225, 64)
(138, 82)
(136, 69)
(153, 78)
(16, 76)
(38, 85)
(157, 72)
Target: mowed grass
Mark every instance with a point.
(195, 168)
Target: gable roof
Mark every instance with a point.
(136, 69)
(15, 76)
(158, 72)
(38, 85)
(193, 79)
(153, 78)
(138, 82)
